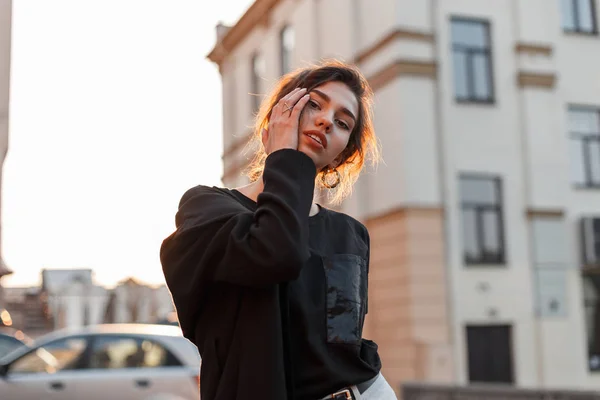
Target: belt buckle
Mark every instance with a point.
(345, 392)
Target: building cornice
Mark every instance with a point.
(424, 69)
(256, 14)
(390, 38)
(401, 211)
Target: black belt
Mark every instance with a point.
(346, 393)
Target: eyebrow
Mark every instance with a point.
(328, 99)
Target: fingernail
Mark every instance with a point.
(302, 89)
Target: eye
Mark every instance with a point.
(342, 124)
(313, 104)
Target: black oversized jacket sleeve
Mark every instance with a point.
(223, 265)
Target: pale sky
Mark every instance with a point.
(115, 111)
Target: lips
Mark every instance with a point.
(318, 137)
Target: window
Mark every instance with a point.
(472, 58)
(114, 352)
(550, 261)
(590, 241)
(86, 315)
(483, 237)
(256, 74)
(584, 129)
(8, 344)
(591, 295)
(579, 16)
(64, 354)
(286, 48)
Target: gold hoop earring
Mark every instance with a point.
(328, 184)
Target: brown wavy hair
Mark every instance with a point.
(362, 144)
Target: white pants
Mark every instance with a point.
(379, 390)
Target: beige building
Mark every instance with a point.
(5, 45)
(485, 216)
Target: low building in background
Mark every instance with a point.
(70, 298)
(132, 301)
(28, 310)
(73, 297)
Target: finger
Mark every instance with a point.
(293, 97)
(290, 94)
(286, 99)
(288, 102)
(300, 105)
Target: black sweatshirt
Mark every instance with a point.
(274, 299)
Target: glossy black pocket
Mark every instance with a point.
(346, 276)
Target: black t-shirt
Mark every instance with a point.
(327, 307)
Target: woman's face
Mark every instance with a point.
(326, 123)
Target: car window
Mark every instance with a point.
(115, 352)
(8, 344)
(63, 354)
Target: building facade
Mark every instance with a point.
(5, 51)
(485, 216)
(134, 302)
(69, 298)
(73, 298)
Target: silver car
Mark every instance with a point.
(114, 361)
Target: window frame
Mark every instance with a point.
(587, 263)
(471, 98)
(585, 139)
(11, 340)
(587, 304)
(498, 209)
(574, 5)
(285, 63)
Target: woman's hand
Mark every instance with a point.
(282, 132)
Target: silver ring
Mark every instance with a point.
(288, 108)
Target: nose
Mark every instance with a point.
(324, 121)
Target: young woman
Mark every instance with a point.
(269, 285)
